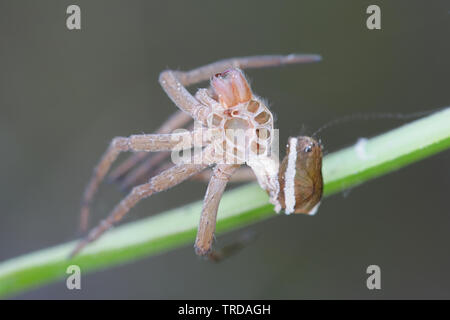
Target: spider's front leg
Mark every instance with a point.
(174, 82)
(205, 234)
(144, 142)
(202, 73)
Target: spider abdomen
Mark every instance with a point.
(300, 176)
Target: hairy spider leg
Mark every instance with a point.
(207, 224)
(163, 181)
(143, 142)
(175, 121)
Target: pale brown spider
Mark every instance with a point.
(227, 105)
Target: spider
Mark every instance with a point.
(228, 104)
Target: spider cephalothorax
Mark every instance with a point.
(240, 131)
(241, 123)
(242, 127)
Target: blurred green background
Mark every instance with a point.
(65, 94)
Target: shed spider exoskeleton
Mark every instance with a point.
(295, 185)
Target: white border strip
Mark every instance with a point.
(289, 177)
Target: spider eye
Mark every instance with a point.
(308, 149)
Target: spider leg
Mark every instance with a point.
(177, 120)
(146, 169)
(205, 72)
(207, 224)
(144, 142)
(174, 82)
(243, 174)
(182, 98)
(153, 166)
(161, 182)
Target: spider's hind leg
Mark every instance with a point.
(148, 168)
(143, 142)
(161, 182)
(174, 82)
(203, 73)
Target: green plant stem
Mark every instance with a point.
(239, 207)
